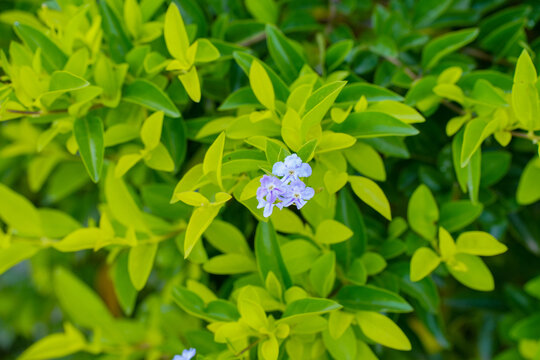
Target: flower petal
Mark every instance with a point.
(304, 170)
(279, 169)
(308, 193)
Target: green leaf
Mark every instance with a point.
(123, 287)
(366, 160)
(268, 254)
(423, 212)
(309, 306)
(263, 10)
(373, 263)
(476, 131)
(337, 53)
(213, 159)
(201, 218)
(19, 213)
(400, 111)
(353, 92)
(261, 85)
(458, 214)
(145, 93)
(372, 298)
(318, 104)
(445, 44)
(159, 159)
(307, 150)
(119, 44)
(299, 255)
(88, 132)
(469, 176)
(528, 328)
(532, 287)
(288, 60)
(479, 243)
(56, 345)
(348, 213)
(495, 165)
(342, 348)
(56, 223)
(382, 330)
(121, 203)
(229, 264)
(81, 303)
(369, 124)
(190, 81)
(53, 58)
(323, 274)
(528, 190)
(244, 60)
(226, 238)
(15, 253)
(423, 262)
(206, 51)
(133, 17)
(151, 130)
(471, 271)
(140, 262)
(370, 193)
(525, 94)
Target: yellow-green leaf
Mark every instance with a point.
(201, 218)
(192, 198)
(151, 130)
(423, 212)
(471, 271)
(525, 94)
(382, 330)
(423, 262)
(214, 157)
(121, 204)
(447, 246)
(140, 262)
(229, 264)
(332, 232)
(191, 83)
(479, 243)
(370, 193)
(133, 17)
(19, 213)
(261, 85)
(175, 33)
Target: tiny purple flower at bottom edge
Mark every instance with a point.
(187, 354)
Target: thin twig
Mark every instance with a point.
(482, 55)
(529, 136)
(249, 347)
(41, 112)
(253, 40)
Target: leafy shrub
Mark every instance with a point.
(135, 135)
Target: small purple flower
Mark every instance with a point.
(267, 194)
(291, 169)
(270, 189)
(186, 355)
(297, 193)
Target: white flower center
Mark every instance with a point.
(270, 187)
(291, 172)
(296, 195)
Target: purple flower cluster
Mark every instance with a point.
(285, 191)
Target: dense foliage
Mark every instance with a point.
(139, 214)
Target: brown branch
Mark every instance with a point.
(484, 56)
(529, 136)
(253, 39)
(41, 112)
(249, 347)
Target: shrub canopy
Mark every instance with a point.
(267, 179)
